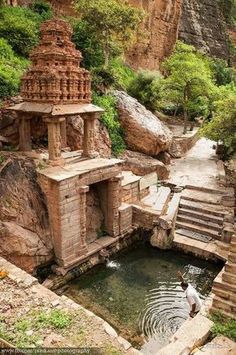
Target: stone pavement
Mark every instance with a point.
(199, 167)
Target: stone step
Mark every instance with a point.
(225, 286)
(226, 305)
(202, 197)
(193, 235)
(200, 215)
(201, 230)
(231, 268)
(205, 189)
(229, 278)
(232, 258)
(226, 314)
(195, 206)
(199, 222)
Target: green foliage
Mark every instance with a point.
(122, 73)
(110, 120)
(20, 27)
(222, 126)
(11, 69)
(87, 43)
(223, 74)
(228, 8)
(43, 8)
(107, 20)
(189, 80)
(145, 88)
(56, 318)
(223, 326)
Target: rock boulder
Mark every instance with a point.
(141, 164)
(144, 132)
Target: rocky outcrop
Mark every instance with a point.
(159, 33)
(144, 132)
(141, 164)
(75, 131)
(24, 228)
(202, 25)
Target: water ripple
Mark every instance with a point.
(164, 311)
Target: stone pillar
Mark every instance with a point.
(82, 211)
(89, 136)
(63, 134)
(54, 139)
(114, 202)
(25, 134)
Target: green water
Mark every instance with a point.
(138, 292)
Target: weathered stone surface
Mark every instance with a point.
(94, 216)
(75, 131)
(142, 164)
(24, 232)
(202, 25)
(144, 132)
(161, 238)
(160, 31)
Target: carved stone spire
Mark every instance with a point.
(55, 75)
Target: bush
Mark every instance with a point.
(223, 74)
(20, 27)
(124, 75)
(110, 120)
(43, 8)
(222, 126)
(11, 70)
(223, 326)
(144, 88)
(86, 42)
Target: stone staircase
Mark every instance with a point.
(201, 215)
(224, 287)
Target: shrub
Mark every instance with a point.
(86, 42)
(19, 26)
(223, 326)
(122, 73)
(144, 88)
(223, 74)
(11, 70)
(110, 120)
(43, 8)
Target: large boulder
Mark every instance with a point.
(75, 132)
(24, 230)
(144, 132)
(141, 164)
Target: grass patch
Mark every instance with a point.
(223, 326)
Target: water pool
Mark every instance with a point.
(138, 292)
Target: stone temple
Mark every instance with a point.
(54, 88)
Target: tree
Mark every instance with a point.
(114, 23)
(188, 80)
(222, 126)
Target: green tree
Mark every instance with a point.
(144, 87)
(11, 69)
(188, 80)
(114, 23)
(20, 27)
(222, 126)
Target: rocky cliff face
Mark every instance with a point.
(24, 225)
(197, 22)
(202, 25)
(160, 32)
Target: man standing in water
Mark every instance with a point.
(192, 296)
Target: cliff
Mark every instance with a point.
(197, 22)
(160, 33)
(202, 25)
